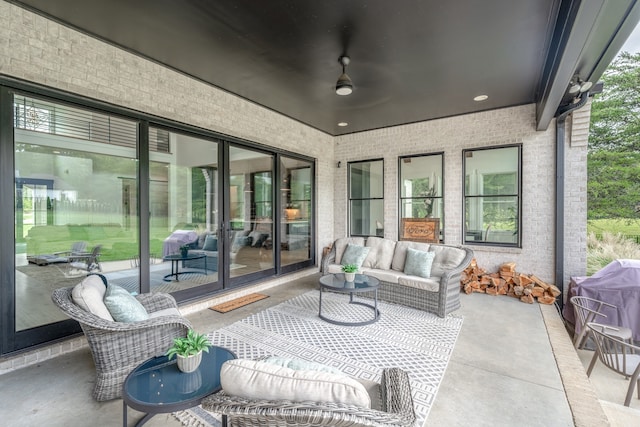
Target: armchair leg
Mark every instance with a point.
(593, 362)
(635, 381)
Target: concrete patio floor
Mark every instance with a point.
(513, 365)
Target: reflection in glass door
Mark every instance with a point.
(250, 229)
(69, 167)
(296, 218)
(183, 199)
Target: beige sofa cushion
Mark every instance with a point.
(380, 253)
(447, 258)
(400, 254)
(260, 380)
(390, 276)
(431, 284)
(341, 245)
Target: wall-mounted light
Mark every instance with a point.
(344, 85)
(578, 85)
(339, 164)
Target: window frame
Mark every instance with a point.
(401, 199)
(350, 199)
(518, 196)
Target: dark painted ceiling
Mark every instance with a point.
(411, 60)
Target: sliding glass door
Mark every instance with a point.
(75, 203)
(184, 213)
(154, 206)
(249, 227)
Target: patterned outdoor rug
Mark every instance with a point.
(416, 341)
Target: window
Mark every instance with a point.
(492, 188)
(366, 198)
(421, 187)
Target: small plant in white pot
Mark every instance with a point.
(350, 271)
(189, 350)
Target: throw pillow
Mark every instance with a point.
(89, 295)
(301, 365)
(210, 243)
(123, 306)
(355, 254)
(259, 380)
(418, 263)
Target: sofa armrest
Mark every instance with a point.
(328, 259)
(450, 276)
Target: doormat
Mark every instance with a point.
(225, 307)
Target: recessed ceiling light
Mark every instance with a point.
(480, 98)
(343, 124)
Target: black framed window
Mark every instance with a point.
(366, 198)
(421, 184)
(492, 195)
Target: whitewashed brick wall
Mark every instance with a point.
(451, 136)
(575, 192)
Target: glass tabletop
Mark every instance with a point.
(338, 282)
(179, 257)
(159, 382)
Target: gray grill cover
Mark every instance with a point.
(618, 283)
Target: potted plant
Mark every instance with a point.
(349, 272)
(189, 350)
(184, 251)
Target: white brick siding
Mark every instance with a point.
(452, 135)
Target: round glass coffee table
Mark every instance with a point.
(362, 283)
(157, 386)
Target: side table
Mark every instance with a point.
(157, 386)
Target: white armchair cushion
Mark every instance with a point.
(89, 295)
(260, 380)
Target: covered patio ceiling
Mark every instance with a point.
(411, 60)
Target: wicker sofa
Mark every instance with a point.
(438, 294)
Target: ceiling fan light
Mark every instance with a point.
(344, 86)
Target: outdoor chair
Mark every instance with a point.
(394, 391)
(617, 355)
(88, 261)
(118, 347)
(78, 248)
(586, 310)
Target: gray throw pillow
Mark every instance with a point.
(123, 306)
(355, 254)
(210, 244)
(418, 263)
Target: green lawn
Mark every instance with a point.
(626, 226)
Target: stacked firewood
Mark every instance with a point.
(507, 281)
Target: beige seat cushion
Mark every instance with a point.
(89, 295)
(260, 380)
(390, 276)
(431, 284)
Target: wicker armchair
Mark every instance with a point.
(395, 393)
(118, 347)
